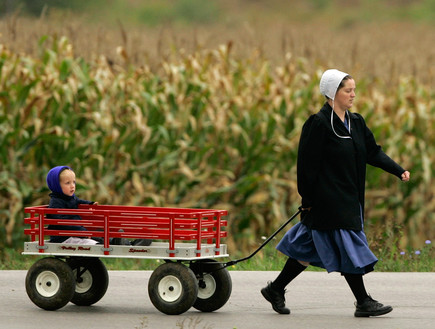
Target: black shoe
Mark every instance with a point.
(371, 307)
(141, 242)
(276, 298)
(120, 242)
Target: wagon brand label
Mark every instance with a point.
(133, 250)
(68, 248)
(74, 248)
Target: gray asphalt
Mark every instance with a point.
(316, 299)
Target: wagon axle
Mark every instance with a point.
(202, 284)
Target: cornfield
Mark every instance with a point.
(201, 129)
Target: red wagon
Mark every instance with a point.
(188, 240)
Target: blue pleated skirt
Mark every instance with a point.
(344, 251)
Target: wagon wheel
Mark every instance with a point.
(172, 288)
(50, 283)
(214, 283)
(91, 280)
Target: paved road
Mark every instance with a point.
(316, 299)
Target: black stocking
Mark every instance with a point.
(356, 284)
(291, 270)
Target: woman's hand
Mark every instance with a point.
(405, 176)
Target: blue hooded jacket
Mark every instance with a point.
(60, 200)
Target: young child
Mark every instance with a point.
(61, 180)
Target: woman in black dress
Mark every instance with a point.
(334, 148)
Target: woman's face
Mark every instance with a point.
(67, 181)
(345, 95)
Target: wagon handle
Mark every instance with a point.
(233, 262)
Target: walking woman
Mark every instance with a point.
(334, 148)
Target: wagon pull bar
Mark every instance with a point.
(233, 262)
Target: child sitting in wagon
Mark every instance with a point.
(61, 180)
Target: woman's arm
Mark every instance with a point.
(376, 156)
(310, 154)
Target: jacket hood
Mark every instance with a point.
(53, 179)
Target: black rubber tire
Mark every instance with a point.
(172, 288)
(214, 288)
(50, 283)
(91, 280)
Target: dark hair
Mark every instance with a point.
(341, 85)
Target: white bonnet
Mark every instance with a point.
(330, 81)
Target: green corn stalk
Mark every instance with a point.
(203, 130)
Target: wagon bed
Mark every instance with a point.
(179, 233)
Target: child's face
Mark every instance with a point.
(67, 181)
